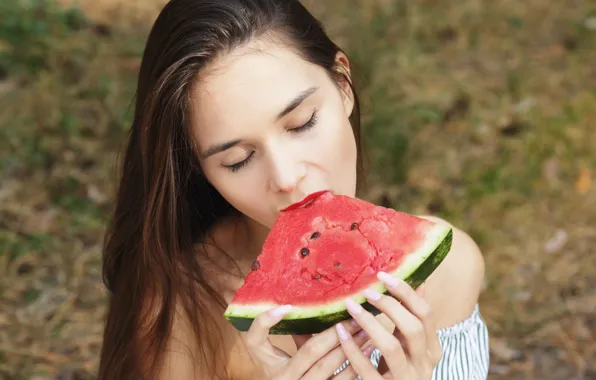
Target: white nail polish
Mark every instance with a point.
(279, 312)
(342, 332)
(368, 350)
(353, 307)
(388, 279)
(372, 295)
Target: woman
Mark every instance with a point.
(243, 108)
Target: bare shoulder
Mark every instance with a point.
(187, 357)
(453, 289)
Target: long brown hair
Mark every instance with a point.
(165, 207)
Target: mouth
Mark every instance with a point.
(306, 201)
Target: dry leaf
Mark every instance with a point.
(584, 181)
(503, 351)
(95, 195)
(556, 242)
(550, 170)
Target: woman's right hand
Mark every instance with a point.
(317, 358)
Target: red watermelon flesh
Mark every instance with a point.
(329, 249)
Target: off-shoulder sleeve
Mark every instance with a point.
(466, 354)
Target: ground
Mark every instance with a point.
(479, 112)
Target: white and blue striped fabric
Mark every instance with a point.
(465, 351)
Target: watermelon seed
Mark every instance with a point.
(304, 252)
(255, 265)
(318, 276)
(337, 265)
(315, 235)
(354, 226)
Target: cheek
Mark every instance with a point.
(243, 190)
(337, 147)
(234, 187)
(349, 154)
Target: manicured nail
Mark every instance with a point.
(388, 279)
(363, 334)
(353, 306)
(368, 350)
(372, 295)
(354, 323)
(342, 332)
(279, 312)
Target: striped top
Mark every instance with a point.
(465, 351)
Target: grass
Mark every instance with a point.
(481, 113)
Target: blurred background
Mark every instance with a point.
(481, 112)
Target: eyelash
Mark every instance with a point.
(308, 125)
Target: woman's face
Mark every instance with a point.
(272, 128)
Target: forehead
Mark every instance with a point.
(250, 86)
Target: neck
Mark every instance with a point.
(254, 237)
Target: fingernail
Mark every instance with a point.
(279, 312)
(388, 279)
(368, 350)
(342, 332)
(354, 323)
(372, 295)
(353, 306)
(363, 334)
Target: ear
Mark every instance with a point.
(342, 68)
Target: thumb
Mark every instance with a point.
(257, 336)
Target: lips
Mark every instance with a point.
(306, 201)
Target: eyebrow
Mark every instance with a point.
(297, 101)
(214, 149)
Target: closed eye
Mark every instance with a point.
(241, 164)
(308, 125)
(303, 128)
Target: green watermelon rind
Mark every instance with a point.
(416, 268)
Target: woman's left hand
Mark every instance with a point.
(412, 351)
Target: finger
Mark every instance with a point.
(421, 289)
(257, 336)
(334, 359)
(384, 340)
(418, 306)
(360, 363)
(348, 372)
(318, 346)
(405, 322)
(301, 339)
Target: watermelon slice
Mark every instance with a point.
(330, 247)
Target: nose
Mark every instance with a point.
(287, 170)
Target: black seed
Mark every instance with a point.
(315, 235)
(318, 276)
(255, 265)
(304, 252)
(354, 226)
(337, 265)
